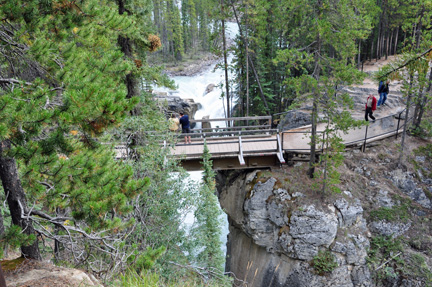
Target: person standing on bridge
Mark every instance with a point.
(184, 121)
(371, 105)
(174, 123)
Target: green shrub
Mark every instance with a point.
(324, 262)
(395, 213)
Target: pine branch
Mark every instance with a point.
(14, 81)
(407, 63)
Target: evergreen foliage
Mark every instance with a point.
(206, 248)
(185, 27)
(63, 85)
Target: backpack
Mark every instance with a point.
(380, 87)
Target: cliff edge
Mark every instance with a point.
(376, 232)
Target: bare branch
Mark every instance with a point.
(407, 63)
(14, 81)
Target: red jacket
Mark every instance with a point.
(374, 102)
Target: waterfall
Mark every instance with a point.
(211, 104)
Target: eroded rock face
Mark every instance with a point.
(311, 229)
(405, 182)
(173, 103)
(273, 237)
(295, 119)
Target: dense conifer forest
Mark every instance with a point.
(74, 82)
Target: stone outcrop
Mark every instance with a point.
(169, 102)
(275, 234)
(405, 181)
(375, 233)
(41, 274)
(295, 119)
(302, 117)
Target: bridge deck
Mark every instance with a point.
(266, 149)
(260, 147)
(226, 147)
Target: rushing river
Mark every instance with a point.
(212, 104)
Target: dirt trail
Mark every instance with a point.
(373, 66)
(394, 103)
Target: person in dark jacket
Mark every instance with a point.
(184, 121)
(383, 91)
(371, 104)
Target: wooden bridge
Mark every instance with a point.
(252, 142)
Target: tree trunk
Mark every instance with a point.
(422, 103)
(225, 63)
(316, 74)
(16, 200)
(2, 279)
(418, 34)
(126, 47)
(378, 40)
(408, 103)
(358, 55)
(389, 46)
(2, 229)
(396, 41)
(251, 62)
(247, 62)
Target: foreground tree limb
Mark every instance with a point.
(16, 199)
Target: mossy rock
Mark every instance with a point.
(12, 265)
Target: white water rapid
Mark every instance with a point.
(212, 105)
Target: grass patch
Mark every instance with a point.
(324, 263)
(392, 214)
(384, 257)
(416, 266)
(153, 279)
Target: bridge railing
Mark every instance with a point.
(234, 121)
(384, 127)
(254, 126)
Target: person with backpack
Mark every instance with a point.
(371, 104)
(173, 123)
(383, 91)
(184, 121)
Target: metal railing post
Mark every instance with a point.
(279, 148)
(397, 129)
(240, 156)
(364, 144)
(322, 147)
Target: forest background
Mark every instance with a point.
(75, 75)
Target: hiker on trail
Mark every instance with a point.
(174, 123)
(371, 105)
(383, 91)
(184, 120)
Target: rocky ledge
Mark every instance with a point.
(282, 233)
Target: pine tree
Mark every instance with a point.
(62, 86)
(207, 227)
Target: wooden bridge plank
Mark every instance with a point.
(265, 145)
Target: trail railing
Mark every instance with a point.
(298, 140)
(251, 141)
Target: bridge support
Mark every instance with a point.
(226, 163)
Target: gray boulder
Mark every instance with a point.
(172, 103)
(348, 215)
(312, 229)
(386, 228)
(294, 119)
(361, 276)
